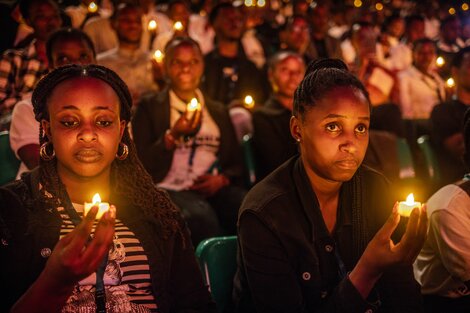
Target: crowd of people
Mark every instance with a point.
(153, 105)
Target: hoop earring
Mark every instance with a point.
(43, 152)
(125, 152)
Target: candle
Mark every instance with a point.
(92, 7)
(178, 26)
(450, 82)
(152, 27)
(249, 102)
(440, 61)
(102, 206)
(192, 107)
(405, 207)
(158, 56)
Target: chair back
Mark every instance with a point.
(248, 153)
(9, 164)
(218, 262)
(430, 158)
(405, 159)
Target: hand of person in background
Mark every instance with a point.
(381, 253)
(209, 184)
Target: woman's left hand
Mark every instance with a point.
(209, 184)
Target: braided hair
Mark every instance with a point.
(322, 76)
(129, 180)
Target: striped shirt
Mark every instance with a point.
(127, 277)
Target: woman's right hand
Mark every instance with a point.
(187, 125)
(381, 253)
(75, 257)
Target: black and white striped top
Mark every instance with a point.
(127, 276)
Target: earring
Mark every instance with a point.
(125, 152)
(43, 152)
(297, 139)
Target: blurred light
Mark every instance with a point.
(379, 6)
(92, 7)
(178, 26)
(248, 3)
(152, 25)
(357, 3)
(249, 102)
(450, 82)
(261, 3)
(158, 56)
(440, 61)
(451, 11)
(464, 7)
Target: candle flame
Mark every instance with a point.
(410, 200)
(440, 61)
(158, 56)
(96, 198)
(249, 102)
(92, 7)
(193, 105)
(450, 82)
(178, 25)
(152, 25)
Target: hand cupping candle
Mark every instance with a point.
(102, 206)
(405, 207)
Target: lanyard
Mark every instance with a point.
(100, 296)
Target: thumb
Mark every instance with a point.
(388, 228)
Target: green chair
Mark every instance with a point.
(9, 164)
(248, 153)
(430, 159)
(405, 159)
(218, 262)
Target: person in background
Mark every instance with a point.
(449, 43)
(294, 36)
(131, 63)
(21, 69)
(195, 156)
(272, 142)
(65, 46)
(447, 122)
(443, 265)
(315, 235)
(137, 257)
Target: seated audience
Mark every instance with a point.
(449, 43)
(65, 46)
(443, 265)
(55, 257)
(21, 69)
(272, 141)
(447, 122)
(194, 155)
(131, 63)
(315, 235)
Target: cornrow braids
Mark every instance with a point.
(129, 180)
(322, 76)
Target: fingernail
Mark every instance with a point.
(112, 211)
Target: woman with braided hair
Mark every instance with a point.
(315, 235)
(137, 257)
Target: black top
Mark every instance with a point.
(273, 143)
(288, 262)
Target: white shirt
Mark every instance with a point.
(195, 157)
(401, 57)
(419, 93)
(444, 262)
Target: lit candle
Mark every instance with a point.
(450, 82)
(152, 27)
(192, 107)
(102, 206)
(178, 26)
(249, 102)
(92, 7)
(158, 56)
(440, 61)
(405, 207)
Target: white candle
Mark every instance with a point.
(152, 27)
(405, 207)
(440, 61)
(92, 7)
(178, 26)
(450, 82)
(249, 102)
(192, 107)
(158, 56)
(102, 206)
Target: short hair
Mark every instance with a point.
(447, 20)
(413, 18)
(47, 84)
(122, 6)
(181, 41)
(422, 41)
(175, 2)
(218, 7)
(280, 56)
(290, 21)
(321, 76)
(458, 58)
(67, 34)
(25, 5)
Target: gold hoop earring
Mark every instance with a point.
(125, 152)
(43, 152)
